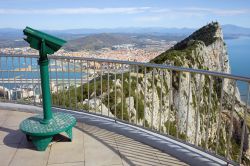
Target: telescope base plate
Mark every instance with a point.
(41, 134)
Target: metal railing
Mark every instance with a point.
(198, 107)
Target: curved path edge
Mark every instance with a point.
(180, 150)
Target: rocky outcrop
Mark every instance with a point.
(168, 103)
(205, 49)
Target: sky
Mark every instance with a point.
(74, 14)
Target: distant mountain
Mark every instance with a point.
(227, 29)
(10, 37)
(233, 29)
(100, 38)
(10, 33)
(98, 41)
(151, 30)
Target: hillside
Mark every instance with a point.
(107, 40)
(188, 51)
(97, 41)
(205, 49)
(194, 119)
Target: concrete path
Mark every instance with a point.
(91, 146)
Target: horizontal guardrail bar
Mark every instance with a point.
(152, 65)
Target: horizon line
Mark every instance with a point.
(129, 27)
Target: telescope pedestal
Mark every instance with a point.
(41, 129)
(41, 134)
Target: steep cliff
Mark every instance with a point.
(167, 101)
(205, 49)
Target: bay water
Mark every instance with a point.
(238, 51)
(239, 59)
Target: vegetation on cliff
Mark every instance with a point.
(187, 50)
(165, 108)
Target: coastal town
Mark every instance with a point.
(23, 88)
(122, 52)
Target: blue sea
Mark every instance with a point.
(239, 58)
(239, 55)
(10, 69)
(238, 51)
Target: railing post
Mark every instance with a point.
(88, 85)
(15, 85)
(95, 86)
(101, 89)
(9, 97)
(8, 75)
(137, 94)
(145, 95)
(188, 104)
(51, 81)
(170, 99)
(219, 118)
(198, 111)
(75, 85)
(178, 110)
(63, 86)
(231, 119)
(39, 84)
(122, 92)
(153, 91)
(160, 110)
(129, 92)
(69, 97)
(115, 90)
(108, 90)
(2, 74)
(81, 84)
(209, 112)
(13, 69)
(244, 126)
(57, 92)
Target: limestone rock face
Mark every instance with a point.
(205, 49)
(98, 107)
(186, 105)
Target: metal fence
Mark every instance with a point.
(198, 107)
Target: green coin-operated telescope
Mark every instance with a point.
(41, 129)
(45, 44)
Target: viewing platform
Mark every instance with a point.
(97, 141)
(128, 113)
(92, 145)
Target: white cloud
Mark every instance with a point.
(202, 11)
(130, 10)
(187, 11)
(158, 14)
(217, 11)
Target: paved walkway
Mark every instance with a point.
(91, 145)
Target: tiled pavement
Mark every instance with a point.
(90, 146)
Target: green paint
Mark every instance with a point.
(46, 44)
(47, 114)
(41, 134)
(40, 130)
